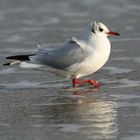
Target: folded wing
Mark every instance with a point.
(60, 58)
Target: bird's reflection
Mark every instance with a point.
(102, 118)
(94, 117)
(81, 89)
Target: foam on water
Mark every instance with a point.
(21, 85)
(116, 70)
(8, 71)
(69, 127)
(126, 83)
(134, 137)
(137, 59)
(14, 38)
(121, 59)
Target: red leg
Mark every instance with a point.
(81, 82)
(93, 82)
(73, 82)
(76, 81)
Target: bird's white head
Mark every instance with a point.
(100, 29)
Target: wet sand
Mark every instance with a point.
(37, 105)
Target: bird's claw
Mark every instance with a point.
(81, 82)
(95, 83)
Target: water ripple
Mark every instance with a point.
(116, 70)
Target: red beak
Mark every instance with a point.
(112, 33)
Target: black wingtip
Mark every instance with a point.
(20, 57)
(16, 57)
(7, 64)
(9, 57)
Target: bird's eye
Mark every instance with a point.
(100, 29)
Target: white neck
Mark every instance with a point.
(97, 42)
(102, 47)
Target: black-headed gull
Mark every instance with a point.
(74, 59)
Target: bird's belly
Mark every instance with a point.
(90, 65)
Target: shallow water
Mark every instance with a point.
(36, 105)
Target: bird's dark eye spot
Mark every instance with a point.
(92, 30)
(100, 29)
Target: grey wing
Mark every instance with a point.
(61, 58)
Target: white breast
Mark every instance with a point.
(97, 58)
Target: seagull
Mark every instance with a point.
(75, 58)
